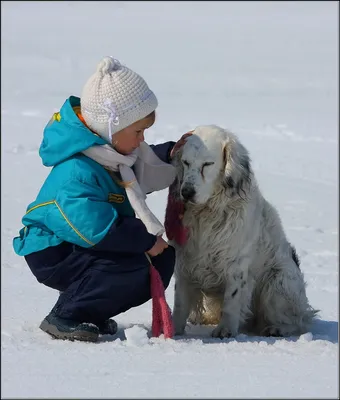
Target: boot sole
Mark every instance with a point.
(83, 336)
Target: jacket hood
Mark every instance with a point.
(66, 135)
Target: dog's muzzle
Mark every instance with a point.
(188, 193)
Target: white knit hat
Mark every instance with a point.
(115, 97)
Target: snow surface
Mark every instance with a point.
(266, 70)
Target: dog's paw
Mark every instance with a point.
(179, 331)
(179, 328)
(222, 331)
(272, 331)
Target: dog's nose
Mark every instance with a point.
(188, 192)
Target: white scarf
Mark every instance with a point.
(152, 174)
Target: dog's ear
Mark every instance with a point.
(177, 163)
(237, 169)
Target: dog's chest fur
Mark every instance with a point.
(203, 260)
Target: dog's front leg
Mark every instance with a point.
(236, 278)
(185, 299)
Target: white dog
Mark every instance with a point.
(236, 270)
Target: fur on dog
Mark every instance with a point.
(236, 269)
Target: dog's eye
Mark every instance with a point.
(185, 163)
(207, 164)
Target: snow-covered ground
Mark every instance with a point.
(266, 70)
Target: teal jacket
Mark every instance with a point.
(79, 201)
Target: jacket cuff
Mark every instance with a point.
(163, 151)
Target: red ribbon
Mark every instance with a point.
(161, 313)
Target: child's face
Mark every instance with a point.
(129, 138)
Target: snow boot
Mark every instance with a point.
(67, 329)
(108, 327)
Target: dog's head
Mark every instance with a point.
(211, 160)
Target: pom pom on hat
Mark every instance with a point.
(107, 65)
(115, 97)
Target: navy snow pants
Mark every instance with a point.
(97, 285)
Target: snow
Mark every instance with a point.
(266, 70)
(136, 336)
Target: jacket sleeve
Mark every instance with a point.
(87, 219)
(163, 150)
(127, 235)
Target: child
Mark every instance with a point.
(81, 235)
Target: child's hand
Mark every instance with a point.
(179, 144)
(158, 247)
